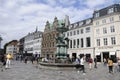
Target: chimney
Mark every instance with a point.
(67, 22)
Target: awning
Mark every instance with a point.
(97, 53)
(112, 53)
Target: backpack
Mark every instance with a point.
(90, 60)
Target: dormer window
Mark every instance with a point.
(81, 23)
(97, 14)
(75, 25)
(70, 26)
(88, 21)
(111, 10)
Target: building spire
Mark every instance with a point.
(36, 29)
(67, 22)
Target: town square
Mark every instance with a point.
(59, 40)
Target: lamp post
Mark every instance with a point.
(94, 52)
(117, 55)
(0, 41)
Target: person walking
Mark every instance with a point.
(2, 62)
(90, 61)
(110, 65)
(105, 61)
(82, 61)
(118, 64)
(95, 62)
(26, 59)
(8, 61)
(77, 63)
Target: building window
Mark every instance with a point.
(98, 31)
(74, 32)
(87, 29)
(88, 42)
(74, 43)
(78, 43)
(67, 33)
(111, 10)
(70, 43)
(81, 42)
(104, 30)
(111, 19)
(113, 41)
(104, 21)
(53, 44)
(97, 23)
(77, 31)
(81, 31)
(98, 42)
(97, 14)
(105, 41)
(71, 33)
(112, 28)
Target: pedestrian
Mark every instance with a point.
(8, 60)
(77, 63)
(95, 62)
(26, 58)
(118, 64)
(2, 62)
(82, 61)
(110, 65)
(32, 59)
(105, 61)
(90, 61)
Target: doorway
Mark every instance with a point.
(98, 58)
(105, 55)
(74, 56)
(81, 55)
(87, 57)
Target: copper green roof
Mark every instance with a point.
(59, 24)
(51, 26)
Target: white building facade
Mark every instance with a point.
(80, 37)
(106, 24)
(32, 44)
(37, 41)
(98, 36)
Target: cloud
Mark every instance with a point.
(19, 17)
(97, 3)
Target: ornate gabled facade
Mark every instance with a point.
(12, 47)
(49, 38)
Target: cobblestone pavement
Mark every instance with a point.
(21, 71)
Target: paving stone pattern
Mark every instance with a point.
(22, 71)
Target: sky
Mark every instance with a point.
(19, 17)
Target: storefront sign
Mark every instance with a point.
(105, 47)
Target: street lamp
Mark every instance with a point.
(117, 55)
(0, 41)
(94, 52)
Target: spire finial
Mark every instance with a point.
(36, 29)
